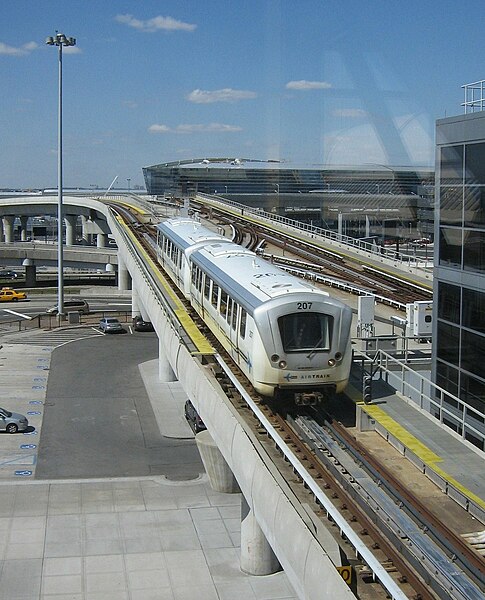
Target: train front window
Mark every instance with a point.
(305, 331)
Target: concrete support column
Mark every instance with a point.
(8, 221)
(124, 278)
(102, 240)
(23, 228)
(30, 273)
(257, 556)
(87, 237)
(135, 304)
(70, 221)
(220, 475)
(165, 371)
(2, 235)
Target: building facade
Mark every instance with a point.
(459, 275)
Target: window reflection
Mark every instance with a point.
(451, 164)
(450, 246)
(449, 302)
(475, 163)
(474, 250)
(473, 310)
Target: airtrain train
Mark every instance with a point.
(290, 339)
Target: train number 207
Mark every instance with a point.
(304, 305)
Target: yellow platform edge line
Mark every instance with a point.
(201, 343)
(420, 450)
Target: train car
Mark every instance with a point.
(177, 239)
(290, 339)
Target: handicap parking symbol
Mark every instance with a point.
(25, 473)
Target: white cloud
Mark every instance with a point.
(156, 24)
(303, 84)
(71, 50)
(224, 95)
(350, 113)
(159, 129)
(195, 128)
(20, 51)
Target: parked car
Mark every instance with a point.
(12, 422)
(140, 325)
(10, 295)
(111, 325)
(193, 418)
(71, 305)
(9, 275)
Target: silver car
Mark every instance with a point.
(12, 422)
(111, 325)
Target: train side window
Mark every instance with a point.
(230, 306)
(223, 304)
(199, 279)
(207, 287)
(242, 324)
(193, 275)
(215, 294)
(234, 315)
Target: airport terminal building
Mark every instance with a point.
(312, 192)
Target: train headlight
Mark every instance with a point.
(282, 364)
(338, 356)
(275, 358)
(332, 362)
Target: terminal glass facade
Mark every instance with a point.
(459, 348)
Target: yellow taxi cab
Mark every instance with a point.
(10, 295)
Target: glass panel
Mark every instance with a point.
(475, 163)
(451, 206)
(448, 343)
(242, 326)
(472, 352)
(207, 287)
(305, 331)
(223, 304)
(474, 250)
(449, 302)
(452, 164)
(473, 309)
(215, 294)
(450, 246)
(447, 378)
(474, 214)
(234, 316)
(473, 393)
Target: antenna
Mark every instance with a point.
(111, 185)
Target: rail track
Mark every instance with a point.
(417, 551)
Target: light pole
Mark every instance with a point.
(60, 40)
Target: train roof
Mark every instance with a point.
(250, 280)
(185, 232)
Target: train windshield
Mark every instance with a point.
(305, 331)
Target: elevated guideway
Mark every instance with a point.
(406, 267)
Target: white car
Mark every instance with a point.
(111, 325)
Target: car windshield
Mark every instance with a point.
(5, 413)
(112, 321)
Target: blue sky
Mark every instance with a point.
(307, 81)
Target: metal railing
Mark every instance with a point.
(408, 261)
(474, 96)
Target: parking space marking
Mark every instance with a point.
(17, 314)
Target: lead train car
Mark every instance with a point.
(290, 339)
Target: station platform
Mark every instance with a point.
(454, 465)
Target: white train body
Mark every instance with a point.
(290, 339)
